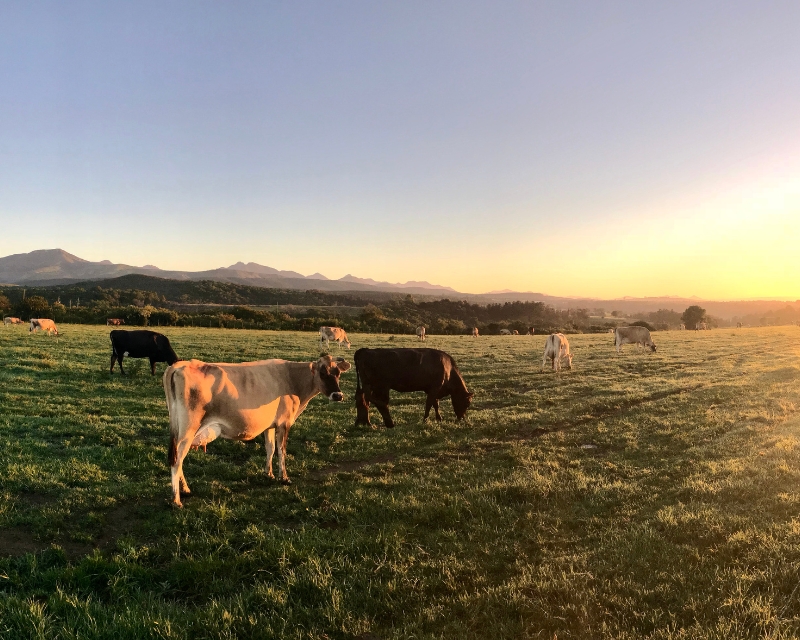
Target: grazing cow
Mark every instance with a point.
(633, 335)
(738, 325)
(326, 334)
(9, 320)
(380, 370)
(114, 322)
(421, 333)
(701, 326)
(141, 344)
(531, 331)
(44, 324)
(505, 332)
(515, 332)
(239, 402)
(474, 332)
(556, 347)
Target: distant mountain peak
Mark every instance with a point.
(56, 266)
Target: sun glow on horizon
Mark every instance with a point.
(740, 244)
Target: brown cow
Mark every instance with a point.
(380, 370)
(44, 324)
(239, 402)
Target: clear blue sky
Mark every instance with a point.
(586, 148)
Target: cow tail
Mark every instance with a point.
(172, 398)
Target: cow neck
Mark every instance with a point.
(300, 379)
(457, 381)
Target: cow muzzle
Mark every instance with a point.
(336, 396)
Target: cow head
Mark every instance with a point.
(326, 375)
(652, 346)
(461, 403)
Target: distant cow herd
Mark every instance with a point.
(240, 401)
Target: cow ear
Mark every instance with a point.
(342, 364)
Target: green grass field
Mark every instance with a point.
(640, 496)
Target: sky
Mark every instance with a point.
(598, 149)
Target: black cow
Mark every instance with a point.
(141, 344)
(428, 370)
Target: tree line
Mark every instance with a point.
(149, 301)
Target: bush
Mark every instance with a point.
(33, 307)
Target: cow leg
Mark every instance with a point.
(362, 408)
(179, 484)
(113, 360)
(119, 358)
(381, 401)
(269, 447)
(281, 436)
(432, 401)
(544, 362)
(152, 367)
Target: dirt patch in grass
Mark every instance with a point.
(124, 519)
(17, 541)
(348, 466)
(36, 499)
(599, 412)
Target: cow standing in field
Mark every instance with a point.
(474, 332)
(239, 402)
(114, 322)
(44, 324)
(326, 334)
(9, 320)
(531, 331)
(556, 347)
(421, 333)
(141, 344)
(738, 325)
(681, 327)
(701, 326)
(633, 335)
(380, 370)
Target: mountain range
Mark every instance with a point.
(56, 266)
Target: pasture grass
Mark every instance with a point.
(640, 496)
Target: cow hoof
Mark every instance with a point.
(286, 482)
(176, 505)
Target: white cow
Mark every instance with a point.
(505, 332)
(421, 333)
(326, 334)
(44, 324)
(633, 335)
(556, 347)
(239, 402)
